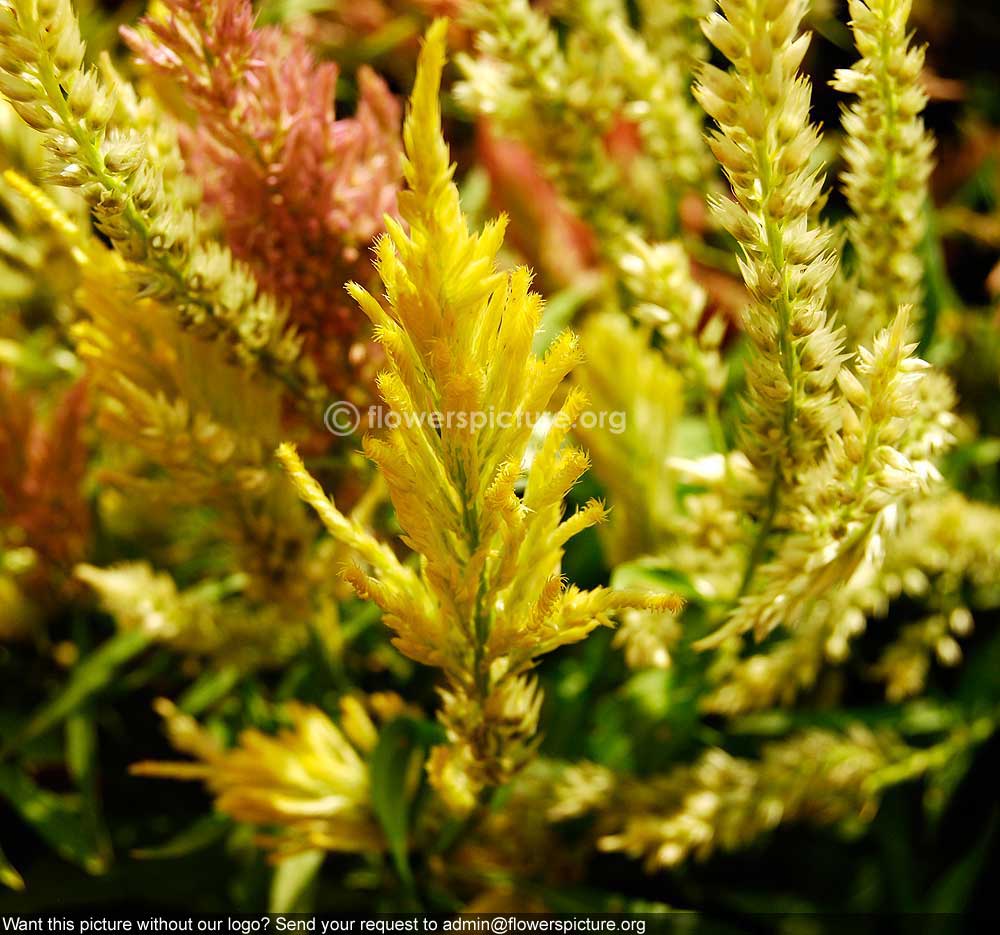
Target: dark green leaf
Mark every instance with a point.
(951, 893)
(82, 760)
(292, 881)
(401, 748)
(55, 818)
(90, 675)
(204, 832)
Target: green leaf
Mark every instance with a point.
(82, 761)
(895, 835)
(91, 674)
(396, 759)
(54, 818)
(559, 311)
(210, 687)
(292, 880)
(204, 832)
(9, 877)
(81, 748)
(939, 293)
(951, 892)
(650, 574)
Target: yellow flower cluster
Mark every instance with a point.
(488, 597)
(308, 786)
(721, 802)
(565, 101)
(839, 515)
(624, 375)
(197, 431)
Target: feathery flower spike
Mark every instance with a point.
(889, 161)
(301, 192)
(850, 501)
(566, 103)
(765, 143)
(102, 143)
(489, 597)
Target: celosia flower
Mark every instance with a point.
(210, 619)
(765, 143)
(626, 378)
(614, 127)
(42, 504)
(568, 93)
(842, 538)
(129, 175)
(209, 439)
(301, 192)
(308, 785)
(36, 270)
(843, 508)
(888, 154)
(721, 802)
(947, 558)
(489, 596)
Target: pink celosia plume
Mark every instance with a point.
(42, 503)
(301, 192)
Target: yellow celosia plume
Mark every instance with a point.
(467, 393)
(310, 780)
